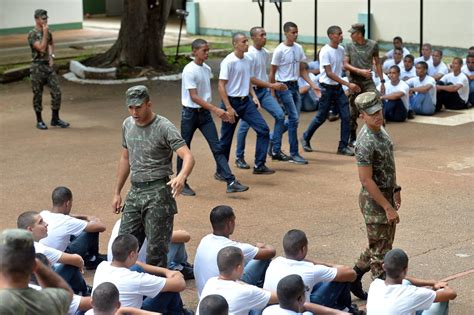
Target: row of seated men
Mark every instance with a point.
(246, 276)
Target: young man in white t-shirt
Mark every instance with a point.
(396, 60)
(398, 296)
(468, 70)
(63, 226)
(136, 280)
(438, 68)
(256, 257)
(422, 91)
(235, 86)
(408, 70)
(329, 284)
(68, 266)
(287, 67)
(397, 43)
(196, 114)
(453, 88)
(426, 51)
(240, 296)
(396, 103)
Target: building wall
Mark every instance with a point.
(16, 16)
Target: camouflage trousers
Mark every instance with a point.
(41, 75)
(149, 212)
(365, 86)
(380, 234)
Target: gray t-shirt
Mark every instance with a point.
(28, 301)
(150, 148)
(361, 56)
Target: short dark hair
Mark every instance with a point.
(122, 246)
(228, 258)
(236, 35)
(469, 56)
(289, 289)
(254, 30)
(458, 59)
(293, 241)
(395, 261)
(397, 68)
(26, 219)
(411, 57)
(61, 195)
(220, 215)
(288, 25)
(397, 38)
(105, 297)
(439, 51)
(333, 29)
(428, 45)
(198, 43)
(213, 304)
(422, 63)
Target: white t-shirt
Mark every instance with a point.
(405, 75)
(240, 296)
(196, 77)
(421, 58)
(459, 79)
(52, 254)
(277, 310)
(376, 79)
(237, 72)
(315, 78)
(400, 87)
(389, 53)
(309, 272)
(132, 285)
(75, 302)
(466, 70)
(333, 57)
(113, 236)
(60, 229)
(288, 59)
(398, 299)
(415, 82)
(205, 262)
(390, 62)
(439, 69)
(260, 59)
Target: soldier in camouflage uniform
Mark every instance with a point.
(360, 55)
(40, 40)
(379, 197)
(148, 142)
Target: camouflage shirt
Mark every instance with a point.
(150, 148)
(376, 149)
(49, 301)
(361, 56)
(37, 36)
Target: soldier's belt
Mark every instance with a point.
(150, 183)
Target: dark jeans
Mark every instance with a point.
(193, 119)
(247, 111)
(291, 100)
(331, 95)
(86, 245)
(471, 92)
(72, 276)
(335, 295)
(450, 100)
(394, 110)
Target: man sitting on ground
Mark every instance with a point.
(17, 262)
(438, 68)
(83, 230)
(426, 51)
(328, 284)
(397, 60)
(408, 70)
(214, 304)
(422, 91)
(240, 296)
(397, 43)
(309, 98)
(395, 100)
(257, 258)
(398, 296)
(468, 70)
(453, 88)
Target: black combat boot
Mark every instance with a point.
(356, 286)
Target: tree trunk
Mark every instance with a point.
(140, 40)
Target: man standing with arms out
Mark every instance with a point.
(379, 197)
(196, 114)
(260, 57)
(331, 59)
(234, 89)
(42, 72)
(148, 142)
(286, 68)
(361, 55)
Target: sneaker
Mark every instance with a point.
(346, 151)
(59, 123)
(219, 177)
(92, 264)
(306, 145)
(357, 290)
(187, 190)
(280, 156)
(187, 272)
(240, 163)
(297, 159)
(41, 125)
(332, 117)
(352, 143)
(263, 170)
(235, 186)
(411, 114)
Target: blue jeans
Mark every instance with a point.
(247, 111)
(85, 244)
(331, 95)
(394, 110)
(309, 101)
(191, 120)
(291, 100)
(169, 303)
(273, 108)
(72, 276)
(177, 255)
(422, 104)
(335, 295)
(471, 92)
(254, 272)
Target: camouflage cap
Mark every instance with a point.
(368, 102)
(40, 13)
(358, 27)
(16, 239)
(136, 95)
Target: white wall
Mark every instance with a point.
(19, 13)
